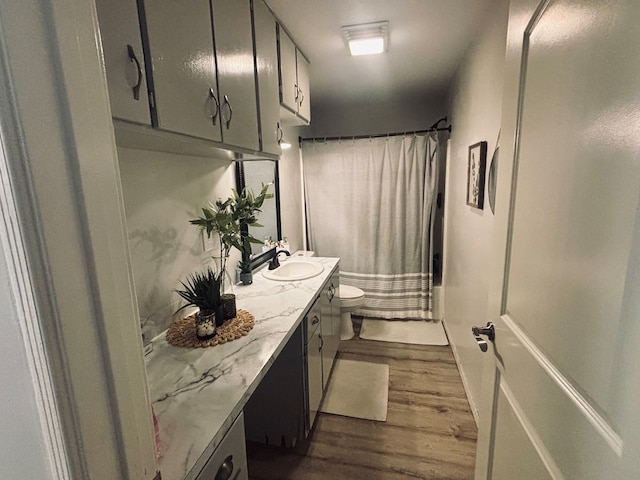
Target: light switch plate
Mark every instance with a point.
(208, 244)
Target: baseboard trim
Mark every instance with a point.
(465, 383)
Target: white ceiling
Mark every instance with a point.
(427, 40)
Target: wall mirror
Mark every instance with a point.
(252, 174)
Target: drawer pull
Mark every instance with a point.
(226, 469)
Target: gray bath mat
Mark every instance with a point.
(417, 332)
(358, 389)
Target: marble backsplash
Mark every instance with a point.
(162, 192)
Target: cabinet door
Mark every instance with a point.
(330, 304)
(184, 77)
(236, 72)
(267, 71)
(124, 60)
(304, 103)
(287, 70)
(314, 368)
(229, 460)
(335, 308)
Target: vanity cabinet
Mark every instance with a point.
(283, 408)
(293, 70)
(277, 410)
(229, 460)
(266, 53)
(314, 360)
(124, 60)
(330, 315)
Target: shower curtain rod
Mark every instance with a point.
(433, 128)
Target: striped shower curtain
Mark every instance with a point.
(371, 203)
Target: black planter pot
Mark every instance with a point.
(228, 307)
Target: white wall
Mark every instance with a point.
(162, 192)
(376, 116)
(476, 113)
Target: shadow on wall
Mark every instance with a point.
(162, 244)
(165, 257)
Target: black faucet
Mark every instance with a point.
(274, 263)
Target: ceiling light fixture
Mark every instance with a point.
(367, 38)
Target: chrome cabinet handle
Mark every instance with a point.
(332, 292)
(214, 116)
(228, 104)
(296, 91)
(279, 133)
(134, 59)
(226, 469)
(302, 97)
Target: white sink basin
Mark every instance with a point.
(294, 270)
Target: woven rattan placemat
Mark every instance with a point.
(182, 333)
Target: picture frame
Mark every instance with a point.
(476, 171)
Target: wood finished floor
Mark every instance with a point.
(429, 433)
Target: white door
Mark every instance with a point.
(565, 292)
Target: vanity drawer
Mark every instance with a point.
(229, 461)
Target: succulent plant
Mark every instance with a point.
(244, 266)
(202, 290)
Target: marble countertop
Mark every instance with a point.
(198, 393)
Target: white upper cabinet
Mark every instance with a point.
(236, 72)
(293, 68)
(287, 70)
(197, 68)
(304, 104)
(267, 72)
(182, 58)
(124, 60)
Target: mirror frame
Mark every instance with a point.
(260, 258)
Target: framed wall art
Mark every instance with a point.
(475, 174)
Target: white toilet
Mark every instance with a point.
(351, 299)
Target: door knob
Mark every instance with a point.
(489, 331)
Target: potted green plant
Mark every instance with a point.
(246, 275)
(230, 220)
(202, 290)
